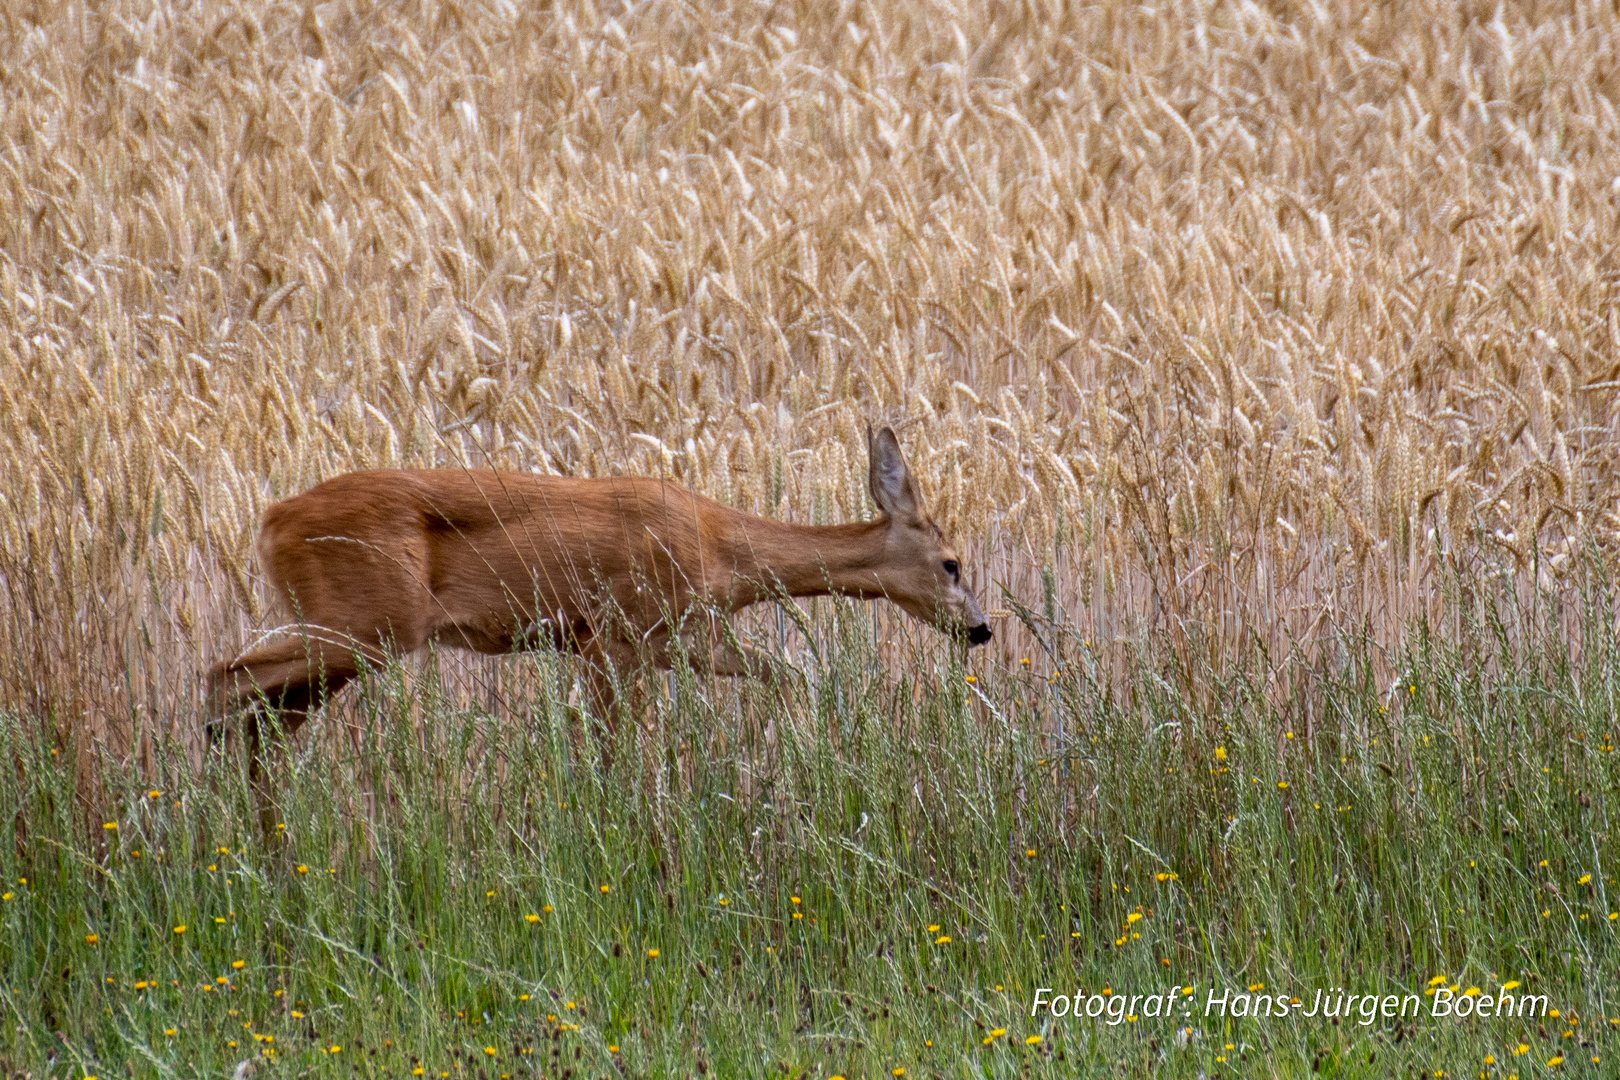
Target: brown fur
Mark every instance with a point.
(489, 561)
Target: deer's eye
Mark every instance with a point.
(953, 568)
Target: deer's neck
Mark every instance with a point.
(806, 560)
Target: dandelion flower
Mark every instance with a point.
(933, 928)
(180, 929)
(1033, 1040)
(1134, 917)
(91, 939)
(171, 1032)
(546, 909)
(238, 964)
(607, 888)
(1030, 852)
(943, 939)
(532, 918)
(653, 953)
(303, 868)
(110, 826)
(489, 1051)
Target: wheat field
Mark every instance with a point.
(1233, 317)
(1213, 331)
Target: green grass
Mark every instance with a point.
(442, 860)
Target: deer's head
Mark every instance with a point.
(921, 571)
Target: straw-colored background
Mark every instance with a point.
(1247, 320)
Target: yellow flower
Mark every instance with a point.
(171, 1031)
(1511, 984)
(607, 888)
(795, 899)
(1033, 1040)
(490, 893)
(532, 918)
(1283, 784)
(546, 909)
(1030, 852)
(489, 1051)
(1220, 753)
(335, 1049)
(238, 964)
(1472, 991)
(91, 939)
(933, 928)
(1584, 879)
(653, 953)
(110, 826)
(971, 679)
(302, 868)
(1134, 917)
(1256, 987)
(418, 1071)
(943, 939)
(523, 997)
(1556, 1060)
(7, 896)
(900, 1071)
(1437, 980)
(297, 1015)
(798, 914)
(724, 902)
(180, 929)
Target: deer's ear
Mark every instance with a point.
(893, 488)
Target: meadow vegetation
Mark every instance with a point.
(1261, 359)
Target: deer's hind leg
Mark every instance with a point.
(279, 683)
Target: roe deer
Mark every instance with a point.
(492, 561)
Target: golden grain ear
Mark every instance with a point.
(893, 488)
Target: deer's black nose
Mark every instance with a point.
(978, 635)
